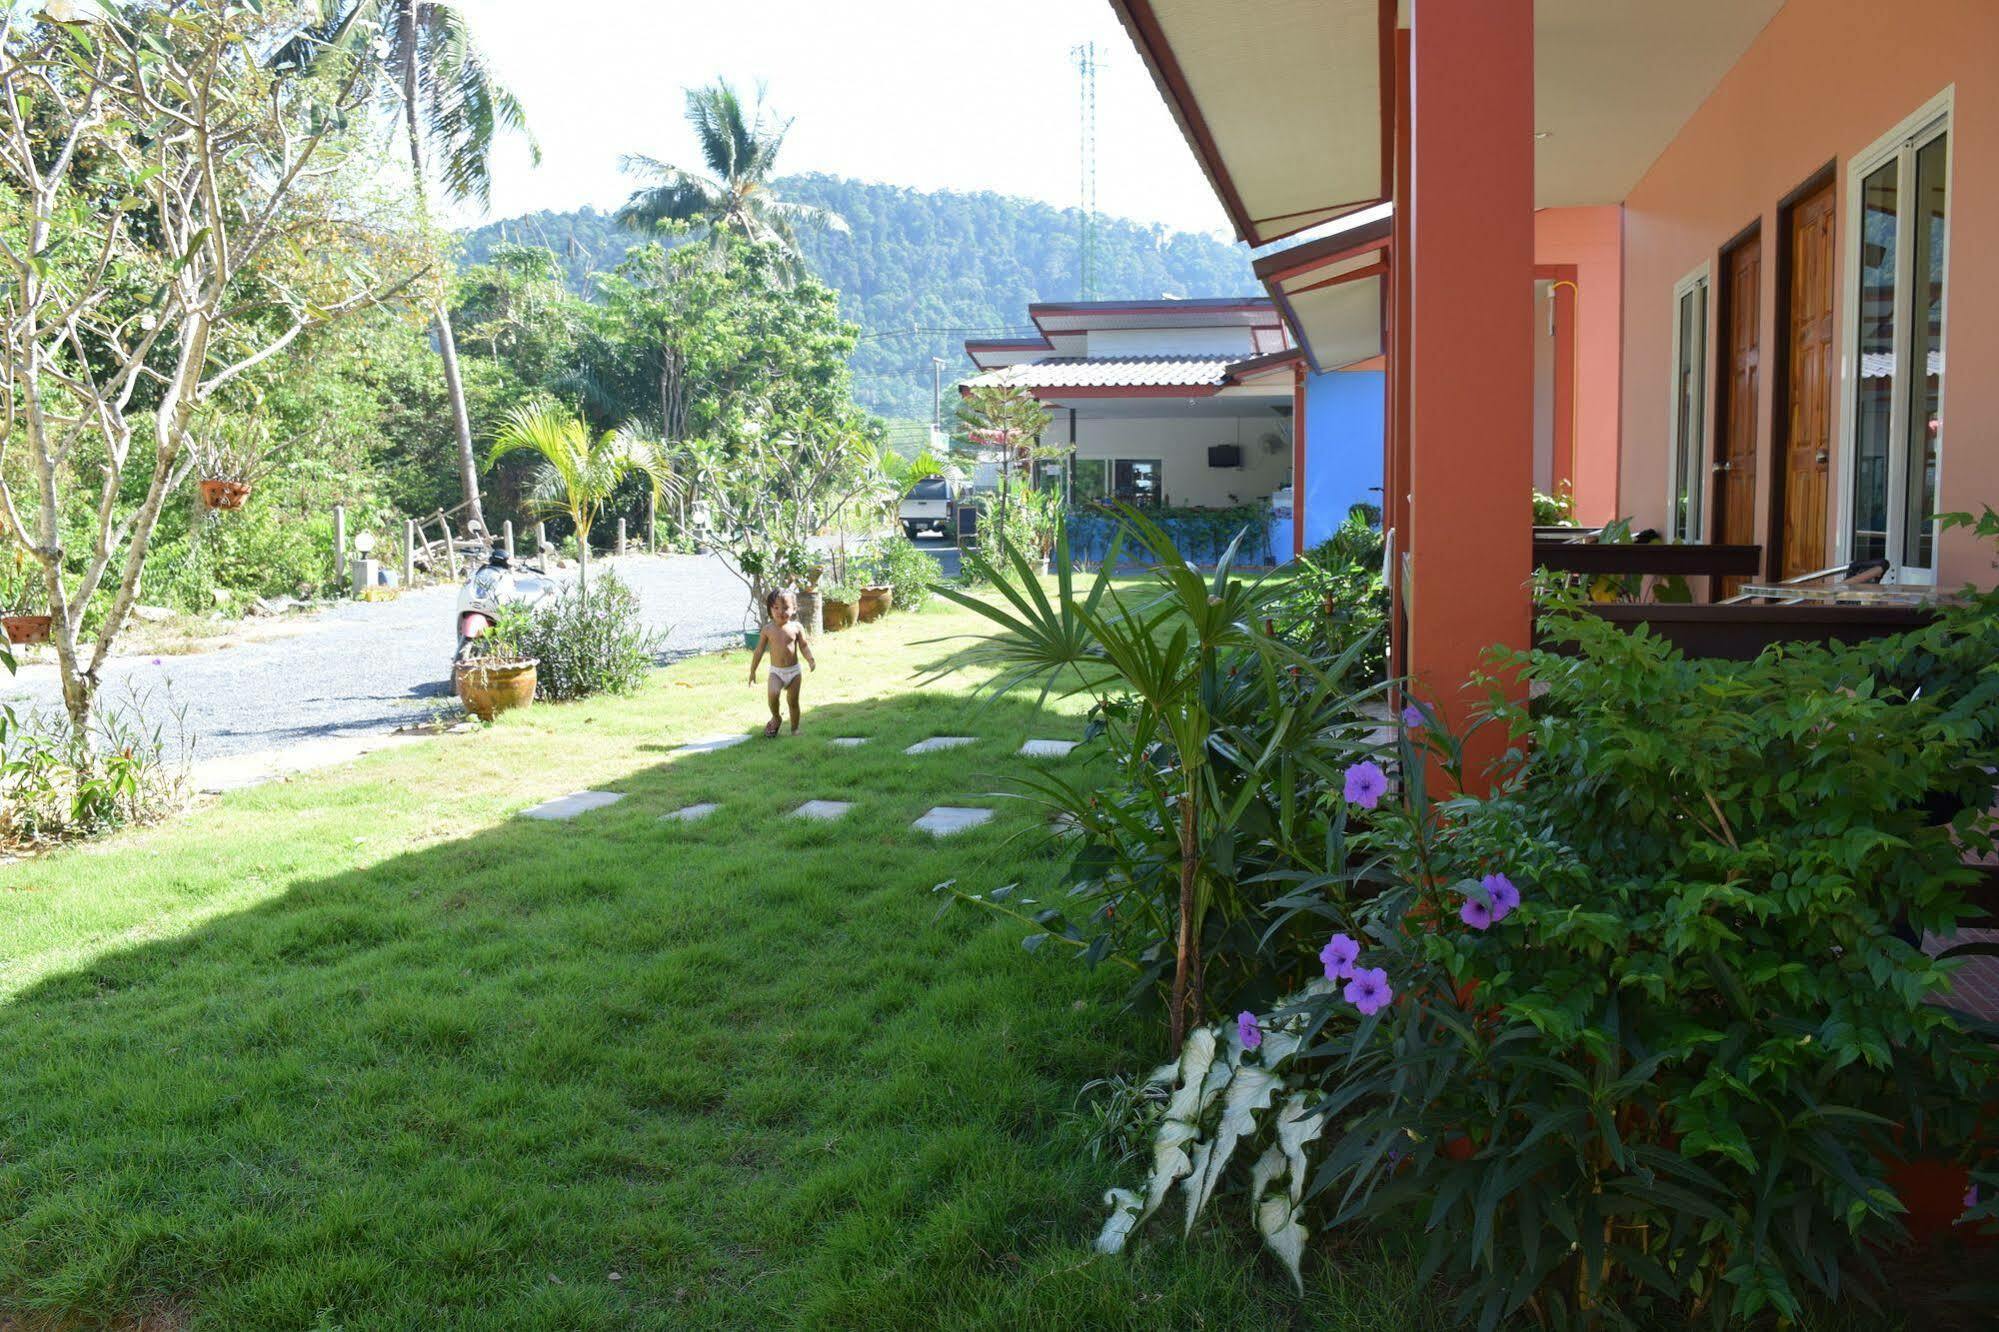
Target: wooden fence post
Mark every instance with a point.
(621, 538)
(540, 539)
(409, 552)
(507, 533)
(339, 542)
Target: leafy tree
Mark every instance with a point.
(143, 273)
(452, 109)
(736, 199)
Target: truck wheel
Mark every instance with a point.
(911, 529)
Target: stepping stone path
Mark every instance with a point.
(947, 819)
(710, 744)
(849, 741)
(937, 742)
(823, 810)
(563, 808)
(691, 813)
(1049, 748)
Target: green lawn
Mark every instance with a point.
(363, 1050)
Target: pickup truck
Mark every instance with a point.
(928, 504)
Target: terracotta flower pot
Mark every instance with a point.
(28, 628)
(874, 600)
(488, 689)
(224, 494)
(838, 614)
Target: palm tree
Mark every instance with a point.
(453, 108)
(579, 471)
(735, 199)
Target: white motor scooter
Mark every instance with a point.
(499, 582)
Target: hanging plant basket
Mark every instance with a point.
(217, 494)
(489, 688)
(27, 628)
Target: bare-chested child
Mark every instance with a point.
(785, 639)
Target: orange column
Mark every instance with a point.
(1395, 494)
(1470, 258)
(1297, 461)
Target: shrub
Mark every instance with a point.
(590, 642)
(59, 785)
(1335, 597)
(896, 561)
(1637, 1036)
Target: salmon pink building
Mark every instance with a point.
(1718, 266)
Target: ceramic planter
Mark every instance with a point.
(488, 689)
(874, 600)
(224, 494)
(809, 609)
(27, 628)
(839, 614)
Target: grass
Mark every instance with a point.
(363, 1050)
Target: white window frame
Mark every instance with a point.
(1700, 278)
(1110, 462)
(1933, 117)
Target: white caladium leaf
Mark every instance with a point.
(1277, 1221)
(1269, 1167)
(1195, 1056)
(1169, 1161)
(1249, 1092)
(1202, 1151)
(1295, 1128)
(1124, 1205)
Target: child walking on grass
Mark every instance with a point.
(785, 639)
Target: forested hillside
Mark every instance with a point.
(920, 271)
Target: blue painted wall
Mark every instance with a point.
(1344, 421)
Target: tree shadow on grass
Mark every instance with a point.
(615, 1072)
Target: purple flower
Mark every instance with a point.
(1369, 990)
(1246, 1028)
(1971, 1197)
(1503, 895)
(1476, 912)
(1339, 955)
(1366, 783)
(1412, 716)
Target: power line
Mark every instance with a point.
(1085, 60)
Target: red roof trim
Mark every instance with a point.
(1308, 255)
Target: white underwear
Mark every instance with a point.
(782, 676)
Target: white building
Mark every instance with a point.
(1175, 403)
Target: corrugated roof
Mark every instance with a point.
(1060, 372)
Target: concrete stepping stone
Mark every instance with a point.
(1049, 748)
(944, 820)
(691, 813)
(709, 744)
(563, 808)
(849, 741)
(937, 742)
(823, 810)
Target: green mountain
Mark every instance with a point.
(920, 271)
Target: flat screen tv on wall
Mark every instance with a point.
(1225, 455)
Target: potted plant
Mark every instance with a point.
(229, 454)
(25, 599)
(497, 676)
(874, 600)
(836, 604)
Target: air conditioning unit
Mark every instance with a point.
(1225, 455)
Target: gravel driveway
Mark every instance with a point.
(364, 668)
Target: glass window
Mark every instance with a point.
(1136, 481)
(1089, 480)
(1689, 412)
(1898, 394)
(1873, 409)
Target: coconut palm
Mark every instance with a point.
(453, 108)
(579, 471)
(740, 150)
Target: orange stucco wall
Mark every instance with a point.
(1823, 82)
(1592, 240)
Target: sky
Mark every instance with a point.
(935, 94)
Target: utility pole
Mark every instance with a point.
(936, 393)
(1084, 57)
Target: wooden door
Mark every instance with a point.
(1808, 381)
(1736, 408)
